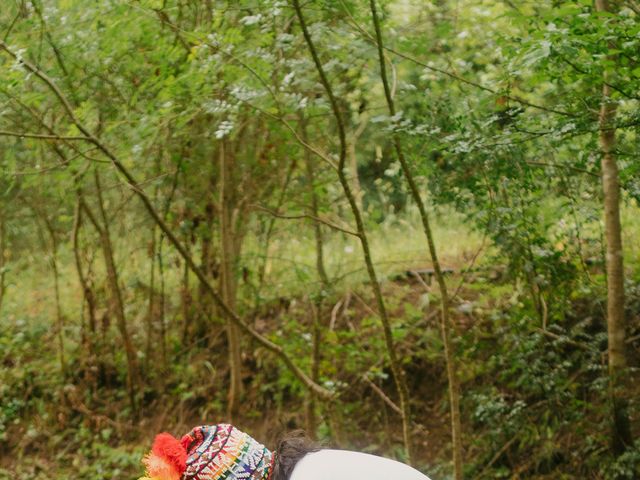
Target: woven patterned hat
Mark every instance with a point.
(209, 452)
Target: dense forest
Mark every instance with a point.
(408, 227)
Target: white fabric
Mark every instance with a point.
(346, 465)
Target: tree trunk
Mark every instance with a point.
(452, 373)
(3, 240)
(161, 263)
(56, 286)
(205, 304)
(185, 299)
(88, 298)
(154, 317)
(117, 304)
(228, 278)
(352, 144)
(396, 369)
(310, 410)
(310, 414)
(161, 311)
(53, 263)
(263, 268)
(621, 431)
(151, 308)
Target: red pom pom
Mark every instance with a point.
(168, 447)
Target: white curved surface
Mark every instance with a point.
(347, 465)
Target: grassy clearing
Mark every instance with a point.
(397, 245)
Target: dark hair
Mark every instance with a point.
(292, 447)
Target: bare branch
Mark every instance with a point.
(382, 395)
(43, 136)
(568, 167)
(307, 216)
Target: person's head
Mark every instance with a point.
(223, 452)
(291, 449)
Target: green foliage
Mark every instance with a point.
(497, 112)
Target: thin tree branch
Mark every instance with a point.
(11, 25)
(568, 167)
(381, 394)
(307, 216)
(568, 341)
(43, 136)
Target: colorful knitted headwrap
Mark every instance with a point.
(209, 452)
